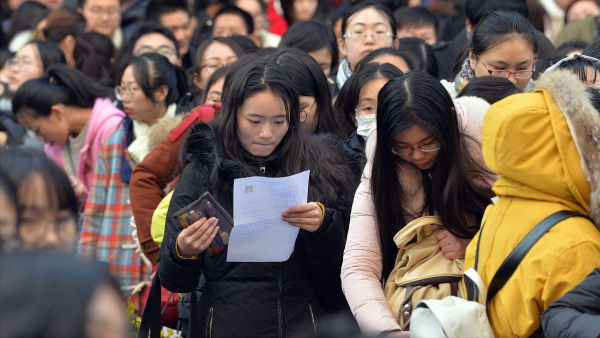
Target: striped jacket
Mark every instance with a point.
(107, 234)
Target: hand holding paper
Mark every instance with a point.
(260, 234)
(306, 216)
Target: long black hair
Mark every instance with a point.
(493, 29)
(310, 36)
(348, 97)
(309, 80)
(60, 84)
(593, 50)
(450, 191)
(295, 153)
(153, 70)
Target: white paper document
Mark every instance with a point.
(259, 234)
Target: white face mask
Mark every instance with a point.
(367, 125)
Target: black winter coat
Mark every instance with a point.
(577, 313)
(252, 299)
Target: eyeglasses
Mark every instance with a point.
(212, 67)
(305, 116)
(165, 51)
(362, 112)
(32, 230)
(362, 35)
(125, 92)
(212, 99)
(21, 64)
(110, 11)
(406, 150)
(520, 74)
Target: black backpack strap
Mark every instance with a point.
(151, 322)
(513, 260)
(472, 293)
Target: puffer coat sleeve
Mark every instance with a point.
(178, 274)
(577, 313)
(363, 261)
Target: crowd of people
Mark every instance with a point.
(438, 135)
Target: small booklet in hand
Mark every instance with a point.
(207, 206)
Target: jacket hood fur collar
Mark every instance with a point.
(584, 123)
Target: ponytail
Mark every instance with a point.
(60, 84)
(93, 53)
(153, 70)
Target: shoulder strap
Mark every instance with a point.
(472, 293)
(513, 260)
(151, 321)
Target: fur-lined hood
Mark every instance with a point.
(584, 124)
(546, 145)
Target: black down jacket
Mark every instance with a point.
(251, 299)
(577, 313)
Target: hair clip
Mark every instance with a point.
(571, 58)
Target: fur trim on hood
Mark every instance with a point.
(584, 123)
(162, 129)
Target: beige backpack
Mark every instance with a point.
(421, 270)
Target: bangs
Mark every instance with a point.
(55, 189)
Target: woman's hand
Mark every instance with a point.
(306, 216)
(81, 190)
(452, 246)
(197, 237)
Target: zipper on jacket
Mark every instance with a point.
(281, 324)
(313, 317)
(209, 324)
(262, 166)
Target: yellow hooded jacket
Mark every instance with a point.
(527, 139)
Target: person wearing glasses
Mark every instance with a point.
(357, 103)
(214, 53)
(503, 45)
(420, 167)
(174, 15)
(31, 61)
(148, 38)
(149, 88)
(46, 205)
(72, 114)
(316, 114)
(366, 26)
(104, 17)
